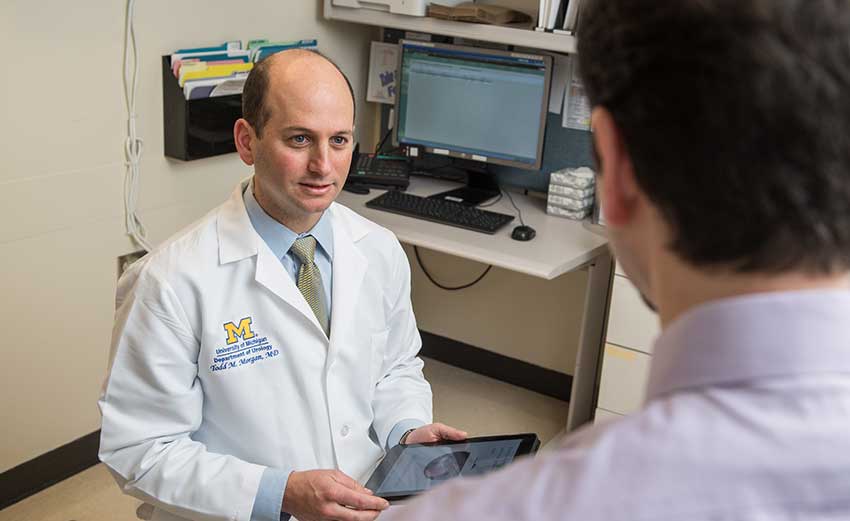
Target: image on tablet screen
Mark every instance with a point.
(420, 468)
(445, 466)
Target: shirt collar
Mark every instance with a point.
(755, 336)
(280, 238)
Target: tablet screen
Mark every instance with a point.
(416, 468)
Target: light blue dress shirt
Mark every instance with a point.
(747, 418)
(279, 238)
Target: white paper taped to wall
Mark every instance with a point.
(383, 61)
(576, 104)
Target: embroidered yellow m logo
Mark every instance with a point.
(243, 331)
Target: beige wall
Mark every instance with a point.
(61, 178)
(516, 315)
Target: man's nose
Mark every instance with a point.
(320, 159)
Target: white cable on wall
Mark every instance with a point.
(133, 144)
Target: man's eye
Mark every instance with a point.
(339, 140)
(299, 140)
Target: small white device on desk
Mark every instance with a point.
(408, 7)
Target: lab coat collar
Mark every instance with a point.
(239, 240)
(278, 236)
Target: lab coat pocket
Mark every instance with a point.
(379, 349)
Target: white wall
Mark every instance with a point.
(61, 179)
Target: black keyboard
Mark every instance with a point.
(440, 211)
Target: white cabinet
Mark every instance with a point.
(618, 269)
(631, 333)
(602, 416)
(630, 322)
(624, 376)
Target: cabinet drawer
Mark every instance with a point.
(602, 415)
(624, 376)
(618, 269)
(630, 322)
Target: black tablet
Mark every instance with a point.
(410, 469)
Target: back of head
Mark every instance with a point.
(736, 114)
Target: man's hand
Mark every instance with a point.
(319, 495)
(434, 432)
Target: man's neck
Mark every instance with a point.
(297, 223)
(679, 286)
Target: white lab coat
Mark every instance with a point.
(190, 422)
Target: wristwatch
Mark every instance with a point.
(404, 436)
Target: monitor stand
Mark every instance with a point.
(480, 186)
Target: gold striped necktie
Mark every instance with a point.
(310, 279)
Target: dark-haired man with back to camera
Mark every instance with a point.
(723, 135)
(264, 358)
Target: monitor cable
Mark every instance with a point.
(383, 141)
(518, 211)
(493, 202)
(443, 286)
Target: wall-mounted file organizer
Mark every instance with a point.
(196, 128)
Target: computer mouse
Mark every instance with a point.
(523, 233)
(356, 189)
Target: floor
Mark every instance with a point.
(475, 403)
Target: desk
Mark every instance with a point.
(561, 246)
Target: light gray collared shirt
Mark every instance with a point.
(747, 418)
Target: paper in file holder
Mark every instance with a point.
(196, 128)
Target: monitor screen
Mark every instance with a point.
(480, 104)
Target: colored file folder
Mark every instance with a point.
(213, 71)
(212, 87)
(241, 56)
(229, 50)
(226, 46)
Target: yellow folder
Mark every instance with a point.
(207, 70)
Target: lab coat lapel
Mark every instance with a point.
(238, 240)
(349, 268)
(272, 274)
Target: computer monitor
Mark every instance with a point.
(473, 103)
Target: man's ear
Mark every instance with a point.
(244, 136)
(616, 184)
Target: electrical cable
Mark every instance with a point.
(133, 144)
(442, 286)
(519, 212)
(383, 140)
(493, 202)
